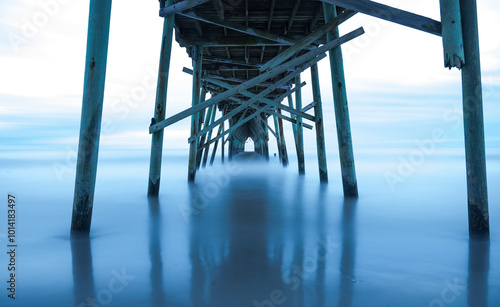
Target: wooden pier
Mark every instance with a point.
(248, 56)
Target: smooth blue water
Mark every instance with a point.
(251, 233)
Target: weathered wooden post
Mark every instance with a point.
(349, 181)
(265, 139)
(222, 145)
(221, 127)
(320, 133)
(284, 153)
(299, 140)
(90, 125)
(202, 123)
(278, 140)
(160, 106)
(209, 136)
(451, 33)
(473, 124)
(197, 54)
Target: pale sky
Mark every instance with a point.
(397, 86)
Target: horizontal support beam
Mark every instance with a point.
(392, 14)
(318, 53)
(222, 41)
(292, 120)
(271, 129)
(237, 80)
(231, 61)
(180, 6)
(309, 106)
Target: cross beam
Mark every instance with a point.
(180, 6)
(259, 79)
(390, 14)
(257, 97)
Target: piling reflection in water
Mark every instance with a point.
(83, 273)
(257, 246)
(157, 293)
(479, 266)
(347, 277)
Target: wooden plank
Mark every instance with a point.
(272, 131)
(239, 28)
(180, 6)
(390, 14)
(231, 61)
(293, 14)
(475, 157)
(306, 41)
(90, 125)
(318, 52)
(309, 106)
(237, 80)
(453, 43)
(220, 41)
(160, 106)
(292, 120)
(347, 166)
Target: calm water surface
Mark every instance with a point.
(251, 233)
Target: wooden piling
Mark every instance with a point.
(299, 140)
(284, 153)
(221, 127)
(320, 133)
(197, 55)
(202, 123)
(451, 21)
(278, 140)
(209, 136)
(92, 104)
(265, 139)
(160, 106)
(473, 124)
(222, 145)
(349, 181)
